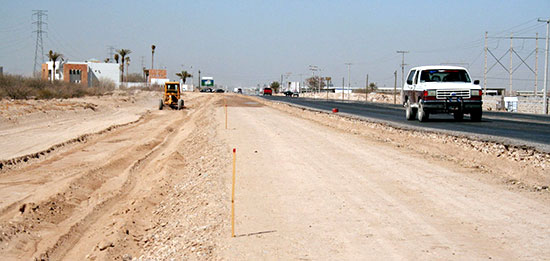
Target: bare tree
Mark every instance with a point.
(313, 82)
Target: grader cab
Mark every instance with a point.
(172, 96)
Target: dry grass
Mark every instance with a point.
(20, 87)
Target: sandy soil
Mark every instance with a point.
(30, 126)
(306, 191)
(310, 186)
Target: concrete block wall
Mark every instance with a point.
(526, 104)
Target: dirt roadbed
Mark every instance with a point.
(310, 186)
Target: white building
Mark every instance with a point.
(103, 71)
(87, 73)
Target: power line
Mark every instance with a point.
(16, 28)
(39, 15)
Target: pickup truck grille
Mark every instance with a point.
(444, 94)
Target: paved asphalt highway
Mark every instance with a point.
(508, 128)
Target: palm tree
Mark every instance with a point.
(153, 56)
(123, 53)
(53, 57)
(116, 59)
(184, 75)
(127, 66)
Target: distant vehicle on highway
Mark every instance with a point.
(206, 90)
(441, 89)
(268, 91)
(220, 91)
(291, 94)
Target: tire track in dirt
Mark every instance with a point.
(11, 163)
(32, 179)
(139, 170)
(86, 187)
(56, 209)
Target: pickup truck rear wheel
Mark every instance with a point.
(410, 113)
(423, 115)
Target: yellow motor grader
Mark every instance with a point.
(172, 96)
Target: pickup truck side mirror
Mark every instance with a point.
(476, 82)
(409, 82)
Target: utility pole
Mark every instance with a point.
(199, 79)
(301, 83)
(281, 83)
(343, 87)
(39, 15)
(143, 65)
(403, 66)
(536, 64)
(511, 70)
(544, 98)
(328, 79)
(367, 88)
(394, 86)
(319, 83)
(485, 67)
(313, 68)
(349, 77)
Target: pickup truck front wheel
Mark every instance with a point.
(459, 115)
(476, 115)
(423, 115)
(410, 112)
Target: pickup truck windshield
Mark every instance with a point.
(444, 75)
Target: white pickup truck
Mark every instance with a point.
(441, 89)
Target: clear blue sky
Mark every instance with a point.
(244, 43)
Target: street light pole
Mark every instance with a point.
(544, 98)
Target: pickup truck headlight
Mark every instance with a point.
(476, 92)
(431, 92)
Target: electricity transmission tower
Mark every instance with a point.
(38, 19)
(111, 52)
(511, 68)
